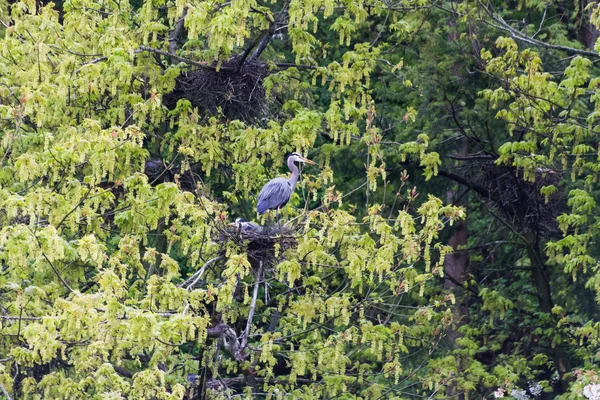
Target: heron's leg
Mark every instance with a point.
(278, 221)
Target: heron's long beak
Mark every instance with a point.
(306, 160)
(231, 224)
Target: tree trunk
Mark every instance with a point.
(588, 31)
(455, 270)
(542, 284)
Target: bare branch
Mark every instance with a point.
(16, 318)
(5, 392)
(230, 339)
(192, 280)
(244, 339)
(85, 196)
(292, 65)
(518, 35)
(50, 262)
(463, 181)
(176, 34)
(264, 42)
(122, 371)
(472, 157)
(142, 49)
(541, 23)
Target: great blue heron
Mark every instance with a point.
(277, 192)
(245, 226)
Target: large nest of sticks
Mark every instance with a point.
(267, 245)
(235, 90)
(522, 199)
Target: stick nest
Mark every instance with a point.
(267, 246)
(522, 199)
(235, 91)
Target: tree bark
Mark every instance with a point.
(544, 294)
(455, 269)
(588, 31)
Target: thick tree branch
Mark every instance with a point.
(218, 330)
(240, 381)
(472, 157)
(262, 45)
(246, 334)
(176, 34)
(122, 371)
(230, 339)
(463, 181)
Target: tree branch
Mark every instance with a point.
(516, 34)
(122, 371)
(267, 38)
(16, 318)
(246, 334)
(50, 262)
(176, 34)
(230, 339)
(5, 392)
(472, 157)
(192, 280)
(141, 49)
(85, 196)
(463, 181)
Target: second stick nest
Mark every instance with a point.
(235, 90)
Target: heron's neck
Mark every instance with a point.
(295, 173)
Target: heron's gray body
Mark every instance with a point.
(277, 192)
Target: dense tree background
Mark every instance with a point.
(446, 246)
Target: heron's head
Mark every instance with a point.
(295, 157)
(238, 222)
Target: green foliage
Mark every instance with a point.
(95, 252)
(122, 282)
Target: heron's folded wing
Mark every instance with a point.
(274, 194)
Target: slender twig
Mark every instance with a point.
(541, 23)
(19, 326)
(142, 49)
(344, 196)
(74, 208)
(292, 65)
(472, 157)
(380, 30)
(50, 262)
(57, 273)
(484, 245)
(5, 392)
(192, 280)
(5, 24)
